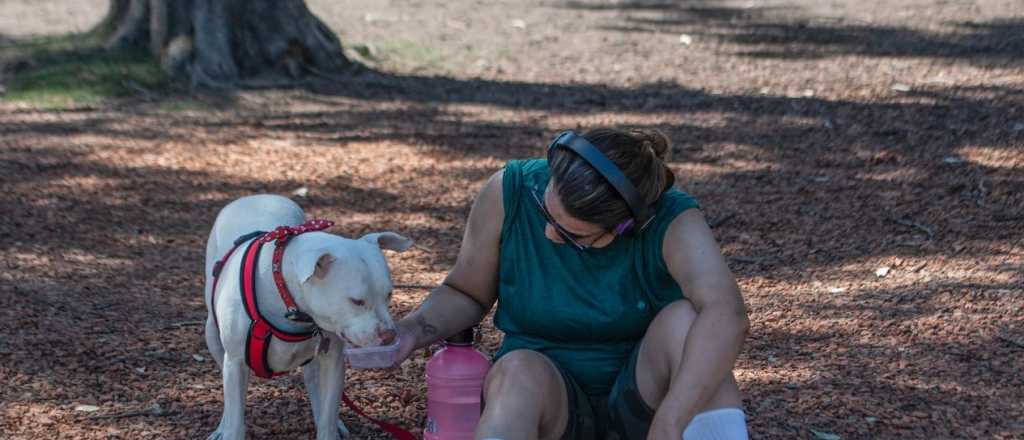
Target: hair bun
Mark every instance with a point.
(660, 145)
(655, 143)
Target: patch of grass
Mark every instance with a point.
(183, 105)
(367, 52)
(58, 72)
(47, 45)
(402, 52)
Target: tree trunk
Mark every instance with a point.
(219, 43)
(116, 11)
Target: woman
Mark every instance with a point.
(614, 327)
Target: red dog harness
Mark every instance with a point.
(261, 331)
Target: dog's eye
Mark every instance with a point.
(358, 302)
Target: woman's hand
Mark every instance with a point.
(665, 425)
(470, 289)
(407, 342)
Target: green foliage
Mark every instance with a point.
(68, 70)
(183, 105)
(400, 53)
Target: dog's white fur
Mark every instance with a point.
(327, 275)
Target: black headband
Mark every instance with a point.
(611, 173)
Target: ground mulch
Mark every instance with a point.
(862, 162)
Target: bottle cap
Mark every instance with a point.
(464, 337)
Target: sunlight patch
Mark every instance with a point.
(1006, 158)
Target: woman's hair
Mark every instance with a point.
(640, 154)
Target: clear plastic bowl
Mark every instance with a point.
(372, 357)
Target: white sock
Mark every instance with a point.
(717, 424)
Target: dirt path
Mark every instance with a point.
(867, 159)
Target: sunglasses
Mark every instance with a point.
(568, 237)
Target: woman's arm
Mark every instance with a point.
(713, 343)
(471, 288)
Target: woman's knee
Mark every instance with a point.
(661, 351)
(527, 383)
(667, 333)
(525, 370)
(661, 357)
(678, 315)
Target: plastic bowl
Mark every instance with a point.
(372, 357)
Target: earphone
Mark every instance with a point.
(642, 213)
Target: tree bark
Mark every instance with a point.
(115, 14)
(158, 26)
(221, 43)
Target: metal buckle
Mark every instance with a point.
(298, 316)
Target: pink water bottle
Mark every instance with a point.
(455, 378)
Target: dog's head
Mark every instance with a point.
(346, 286)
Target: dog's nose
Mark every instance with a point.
(387, 336)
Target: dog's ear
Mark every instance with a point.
(388, 240)
(315, 263)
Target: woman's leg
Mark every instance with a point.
(661, 356)
(525, 398)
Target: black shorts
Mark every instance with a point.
(621, 415)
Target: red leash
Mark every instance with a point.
(394, 430)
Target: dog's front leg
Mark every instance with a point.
(311, 377)
(331, 383)
(236, 383)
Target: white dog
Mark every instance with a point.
(343, 285)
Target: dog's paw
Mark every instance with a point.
(340, 432)
(226, 434)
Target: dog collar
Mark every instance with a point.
(280, 237)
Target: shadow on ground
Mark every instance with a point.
(810, 186)
(776, 32)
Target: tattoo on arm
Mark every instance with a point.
(425, 327)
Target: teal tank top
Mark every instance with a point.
(585, 310)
